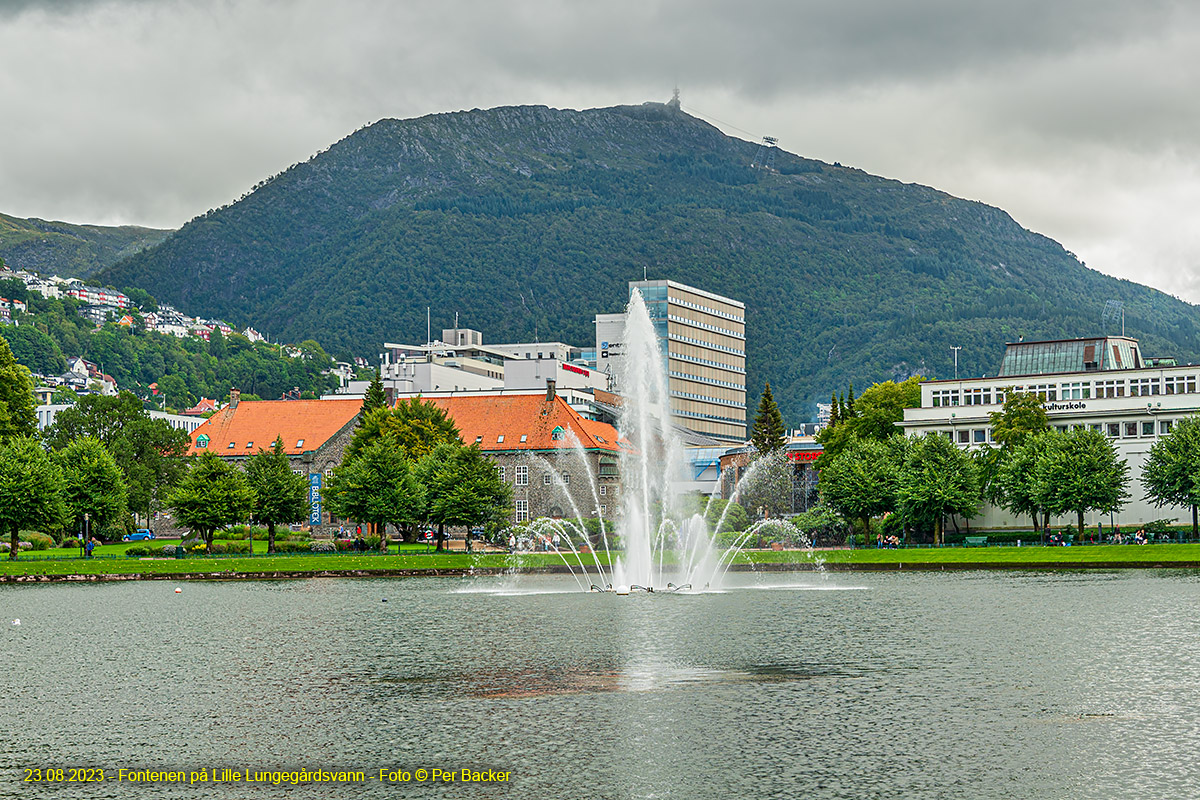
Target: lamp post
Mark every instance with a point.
(956, 349)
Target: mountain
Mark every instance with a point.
(528, 220)
(61, 248)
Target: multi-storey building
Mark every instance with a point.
(1103, 383)
(703, 340)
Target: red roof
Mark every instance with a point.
(253, 426)
(487, 418)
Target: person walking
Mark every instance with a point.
(91, 545)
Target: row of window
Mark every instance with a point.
(703, 398)
(699, 379)
(1069, 390)
(1126, 429)
(678, 337)
(522, 509)
(521, 478)
(707, 363)
(708, 310)
(705, 326)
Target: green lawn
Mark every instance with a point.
(111, 559)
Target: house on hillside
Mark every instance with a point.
(557, 463)
(204, 406)
(315, 434)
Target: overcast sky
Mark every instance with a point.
(1078, 117)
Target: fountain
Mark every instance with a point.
(665, 546)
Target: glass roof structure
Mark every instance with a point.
(1100, 354)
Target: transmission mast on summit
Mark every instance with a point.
(765, 157)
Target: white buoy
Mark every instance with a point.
(178, 591)
(16, 622)
(622, 590)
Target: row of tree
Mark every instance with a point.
(870, 469)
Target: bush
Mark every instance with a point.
(168, 549)
(292, 547)
(68, 543)
(36, 541)
(323, 547)
(242, 546)
(139, 550)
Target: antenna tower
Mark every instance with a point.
(765, 157)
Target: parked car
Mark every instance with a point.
(139, 535)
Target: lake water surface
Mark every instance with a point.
(922, 685)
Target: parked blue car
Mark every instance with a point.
(142, 533)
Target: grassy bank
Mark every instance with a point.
(111, 561)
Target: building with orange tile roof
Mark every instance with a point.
(557, 463)
(315, 434)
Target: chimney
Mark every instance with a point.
(550, 390)
(234, 396)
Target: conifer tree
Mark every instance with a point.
(850, 402)
(834, 416)
(768, 434)
(374, 399)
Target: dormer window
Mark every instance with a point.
(202, 440)
(557, 434)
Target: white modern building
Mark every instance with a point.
(1103, 383)
(47, 413)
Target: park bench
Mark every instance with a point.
(974, 541)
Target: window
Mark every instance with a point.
(945, 397)
(964, 437)
(503, 472)
(1048, 391)
(1143, 387)
(566, 478)
(202, 440)
(603, 490)
(524, 438)
(1060, 428)
(1110, 388)
(522, 508)
(1180, 384)
(299, 443)
(977, 397)
(479, 439)
(1164, 426)
(1097, 427)
(948, 435)
(249, 445)
(231, 446)
(521, 472)
(500, 439)
(1114, 429)
(329, 472)
(1147, 429)
(546, 479)
(979, 436)
(604, 511)
(1076, 391)
(557, 434)
(1131, 429)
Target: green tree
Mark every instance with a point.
(92, 484)
(1080, 472)
(462, 487)
(1017, 483)
(937, 479)
(148, 451)
(768, 434)
(31, 489)
(64, 397)
(36, 350)
(375, 398)
(212, 495)
(860, 482)
(1170, 474)
(375, 486)
(414, 425)
(17, 414)
(875, 415)
(280, 495)
(175, 392)
(1023, 415)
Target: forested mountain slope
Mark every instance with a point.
(61, 248)
(528, 220)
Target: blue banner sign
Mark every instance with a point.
(314, 498)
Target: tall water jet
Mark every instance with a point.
(650, 464)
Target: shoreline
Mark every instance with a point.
(461, 572)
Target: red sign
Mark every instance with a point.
(804, 455)
(573, 368)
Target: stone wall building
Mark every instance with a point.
(315, 434)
